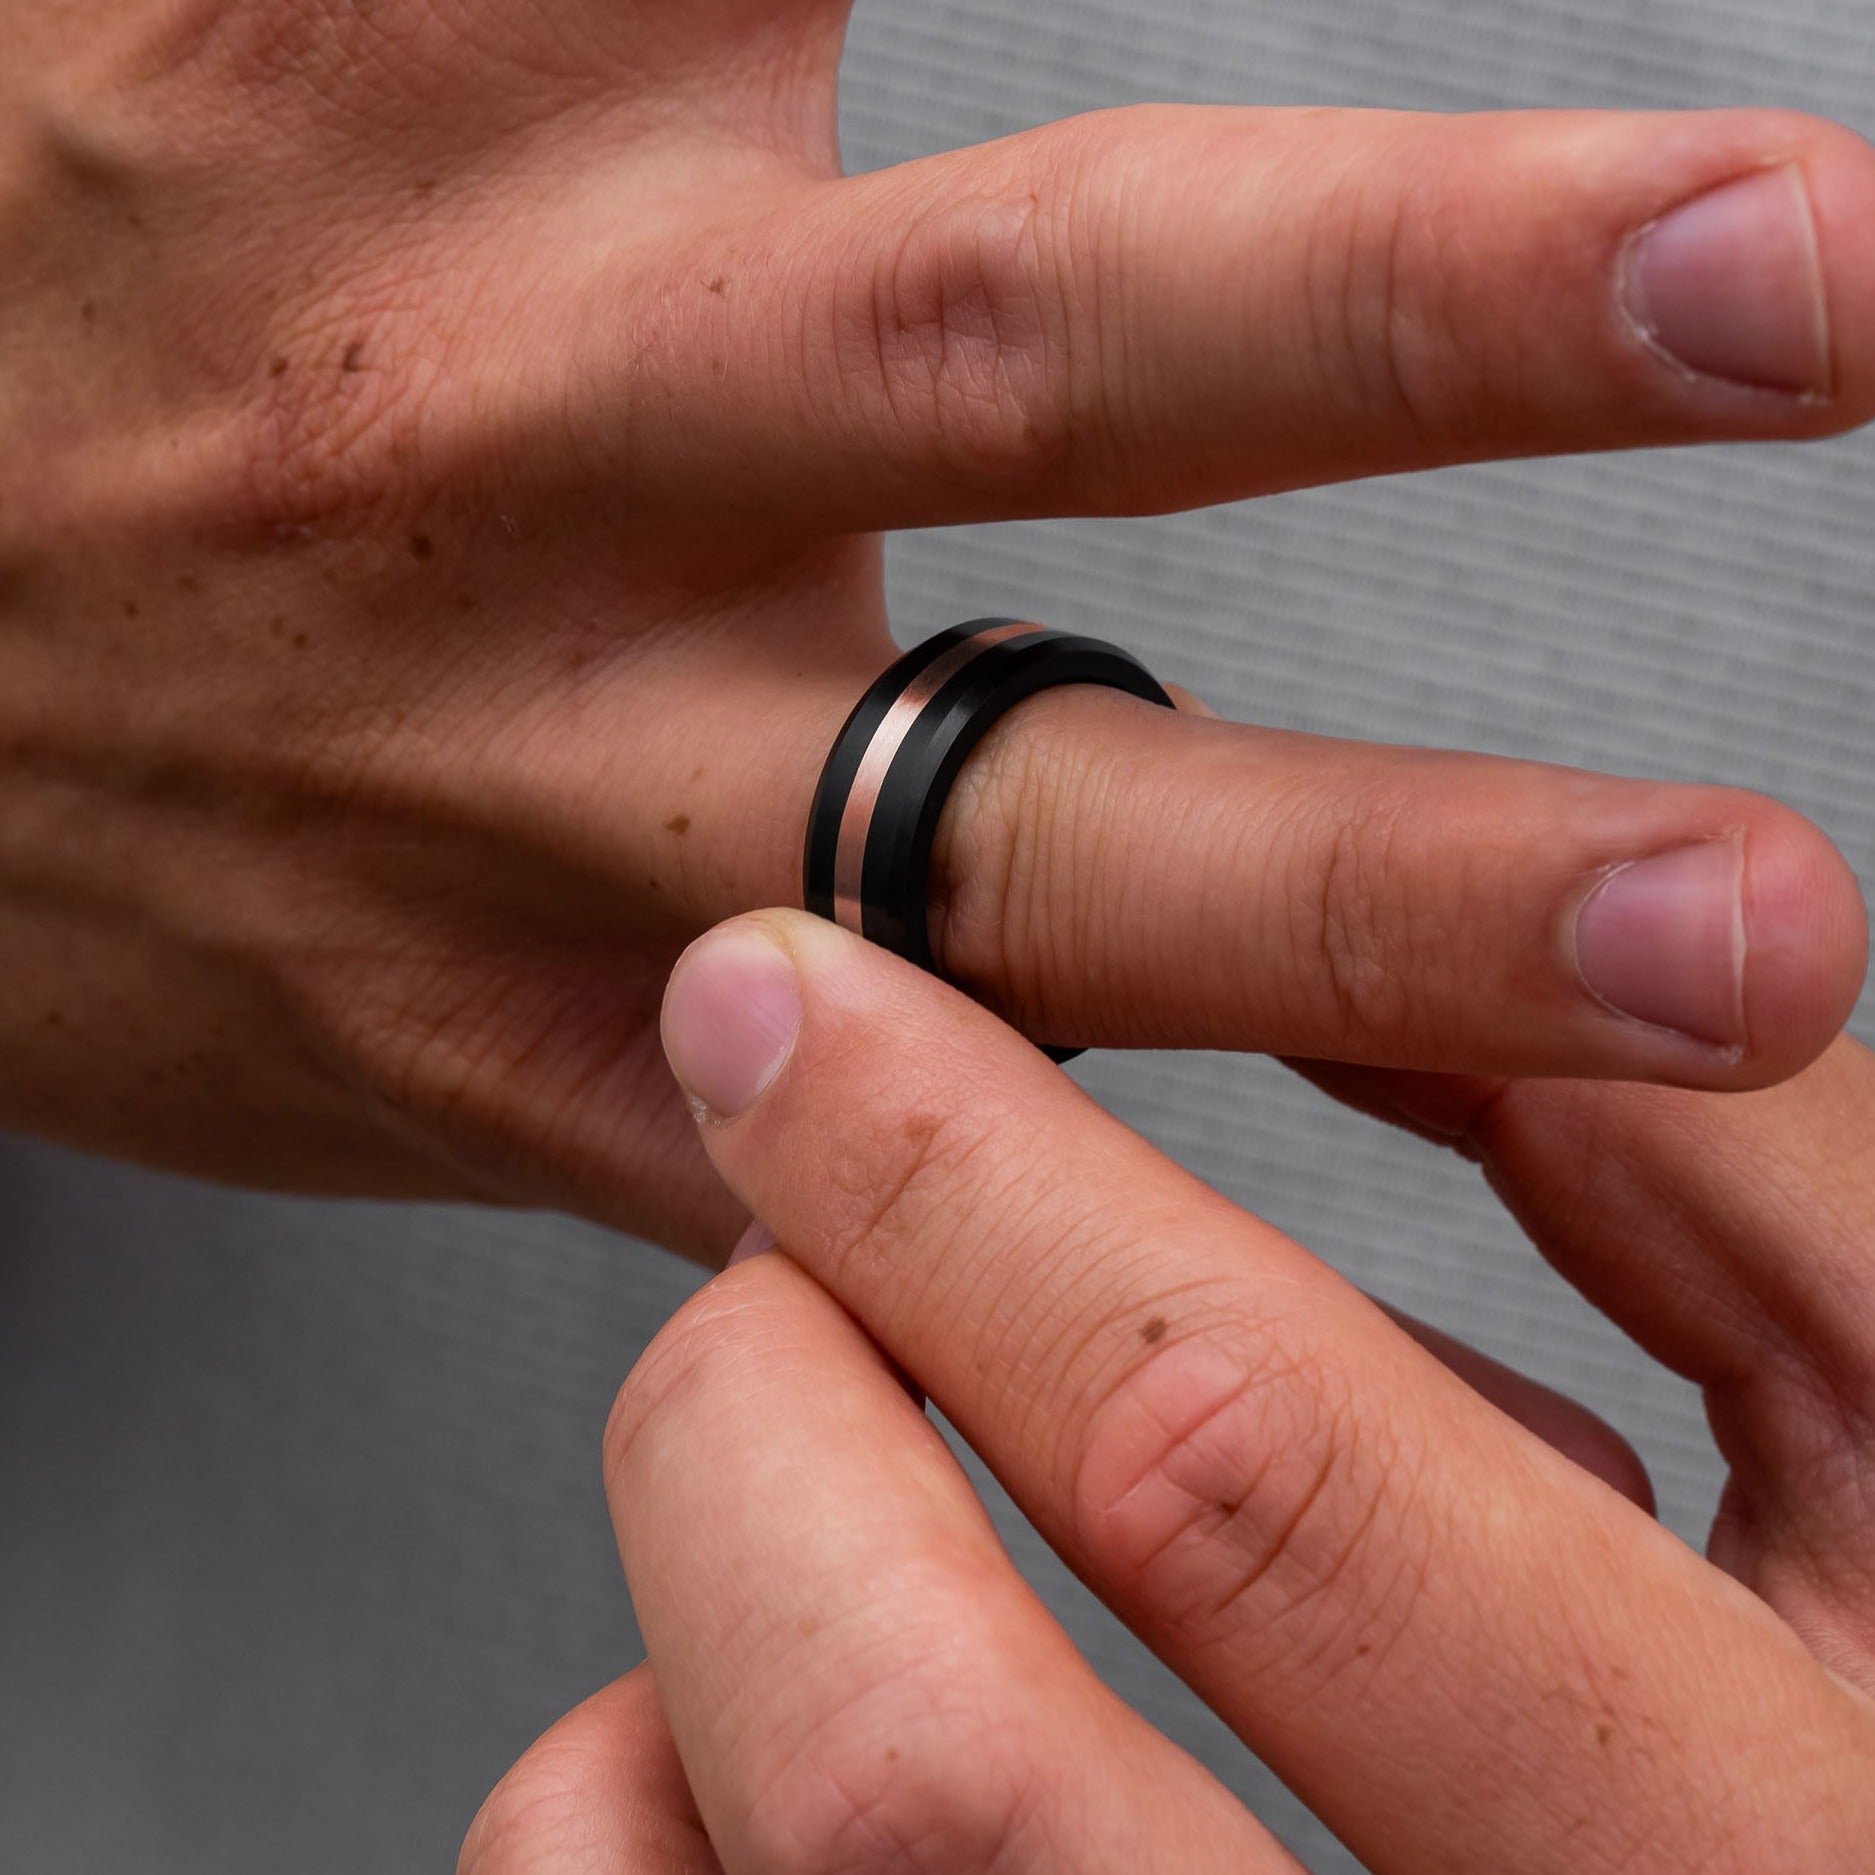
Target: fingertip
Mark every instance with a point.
(1839, 168)
(731, 1012)
(1807, 936)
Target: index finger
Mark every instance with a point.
(1458, 1648)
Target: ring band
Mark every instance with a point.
(867, 864)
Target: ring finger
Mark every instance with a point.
(1111, 873)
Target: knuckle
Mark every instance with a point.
(1383, 323)
(958, 319)
(324, 444)
(1239, 1498)
(1348, 882)
(982, 328)
(919, 1774)
(355, 412)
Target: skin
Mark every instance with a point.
(447, 443)
(439, 536)
(1465, 1651)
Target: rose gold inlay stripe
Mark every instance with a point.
(849, 853)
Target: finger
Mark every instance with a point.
(1390, 1590)
(1582, 1437)
(1108, 873)
(855, 1675)
(601, 1793)
(1160, 307)
(1731, 1237)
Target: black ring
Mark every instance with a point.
(867, 864)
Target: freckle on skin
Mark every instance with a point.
(1154, 1330)
(1603, 1733)
(130, 608)
(696, 774)
(88, 311)
(277, 368)
(299, 641)
(426, 185)
(719, 285)
(678, 824)
(188, 583)
(354, 359)
(422, 546)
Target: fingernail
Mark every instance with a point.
(756, 1241)
(730, 1017)
(1731, 285)
(1662, 940)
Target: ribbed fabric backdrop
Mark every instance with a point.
(301, 1536)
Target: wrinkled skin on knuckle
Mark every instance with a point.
(956, 332)
(384, 406)
(1234, 1493)
(1380, 323)
(328, 444)
(1392, 899)
(1343, 884)
(916, 1774)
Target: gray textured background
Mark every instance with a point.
(301, 1539)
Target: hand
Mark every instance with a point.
(443, 451)
(1466, 1652)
